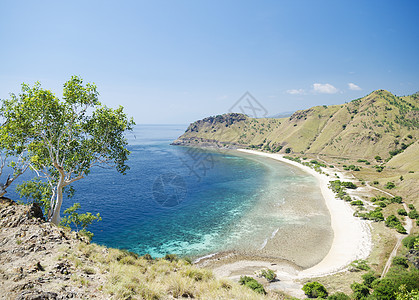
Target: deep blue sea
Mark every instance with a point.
(184, 200)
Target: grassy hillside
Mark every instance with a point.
(42, 261)
(379, 124)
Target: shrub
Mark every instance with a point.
(268, 274)
(392, 221)
(349, 185)
(409, 241)
(315, 290)
(402, 212)
(400, 261)
(252, 284)
(339, 296)
(385, 289)
(390, 185)
(377, 158)
(288, 150)
(396, 199)
(375, 182)
(381, 204)
(400, 229)
(411, 207)
(413, 214)
(357, 203)
(360, 290)
(369, 279)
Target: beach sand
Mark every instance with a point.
(350, 240)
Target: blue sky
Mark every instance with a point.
(179, 61)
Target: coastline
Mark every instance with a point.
(351, 238)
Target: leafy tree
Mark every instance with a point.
(390, 185)
(80, 221)
(268, 274)
(360, 290)
(369, 279)
(400, 261)
(385, 289)
(315, 290)
(288, 150)
(338, 296)
(404, 294)
(66, 138)
(252, 284)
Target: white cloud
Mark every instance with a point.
(324, 88)
(295, 92)
(353, 87)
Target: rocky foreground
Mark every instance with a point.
(39, 260)
(31, 263)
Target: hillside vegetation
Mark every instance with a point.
(380, 130)
(42, 261)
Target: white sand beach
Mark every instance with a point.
(352, 237)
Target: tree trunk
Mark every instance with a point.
(59, 200)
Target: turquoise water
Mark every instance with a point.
(188, 201)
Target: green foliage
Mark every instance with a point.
(413, 214)
(360, 291)
(252, 284)
(315, 290)
(393, 222)
(66, 138)
(369, 279)
(377, 158)
(390, 185)
(396, 199)
(402, 212)
(411, 206)
(268, 274)
(357, 203)
(404, 294)
(338, 296)
(385, 289)
(400, 261)
(375, 215)
(80, 221)
(409, 241)
(288, 150)
(375, 182)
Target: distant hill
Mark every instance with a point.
(363, 128)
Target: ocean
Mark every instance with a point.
(189, 201)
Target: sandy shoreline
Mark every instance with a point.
(351, 239)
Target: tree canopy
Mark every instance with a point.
(64, 139)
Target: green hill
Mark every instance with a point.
(379, 124)
(363, 128)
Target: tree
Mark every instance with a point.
(315, 290)
(360, 290)
(79, 220)
(13, 156)
(66, 138)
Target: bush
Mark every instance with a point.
(402, 212)
(360, 290)
(288, 150)
(390, 185)
(375, 182)
(400, 229)
(357, 203)
(411, 207)
(369, 279)
(349, 185)
(381, 204)
(392, 221)
(339, 296)
(413, 214)
(377, 158)
(396, 199)
(409, 241)
(252, 284)
(400, 261)
(268, 274)
(315, 290)
(384, 290)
